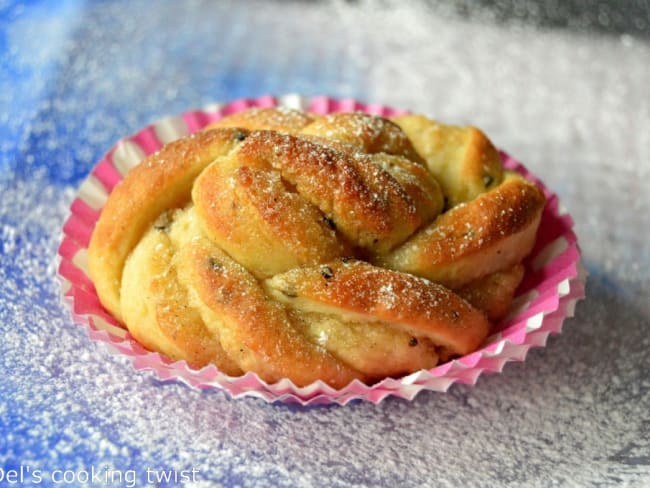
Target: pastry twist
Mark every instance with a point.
(304, 247)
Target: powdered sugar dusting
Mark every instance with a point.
(575, 413)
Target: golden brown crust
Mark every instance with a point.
(250, 213)
(162, 181)
(245, 245)
(367, 133)
(492, 232)
(156, 307)
(368, 205)
(256, 332)
(277, 119)
(462, 158)
(359, 290)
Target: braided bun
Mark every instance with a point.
(316, 248)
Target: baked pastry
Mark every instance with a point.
(316, 248)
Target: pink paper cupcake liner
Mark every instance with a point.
(553, 283)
